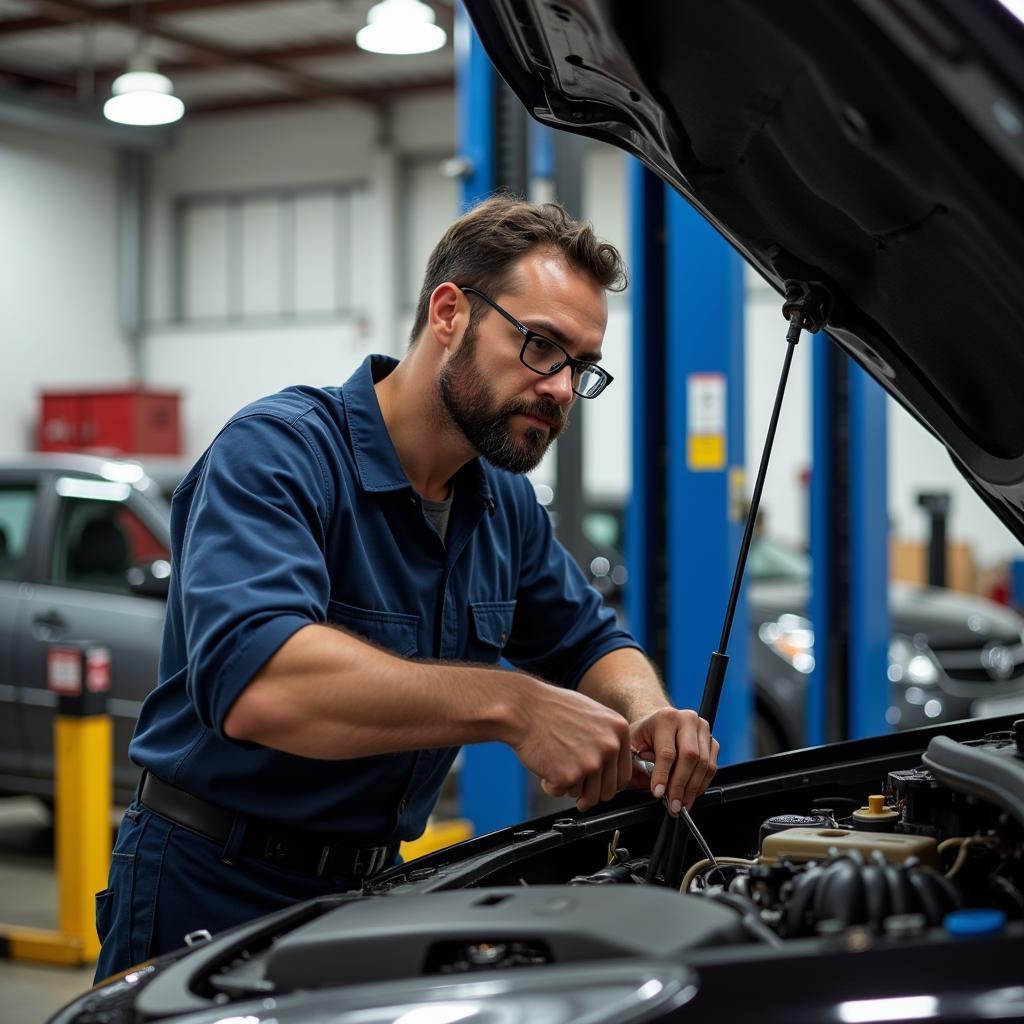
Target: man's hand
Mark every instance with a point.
(577, 746)
(684, 752)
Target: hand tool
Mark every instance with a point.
(647, 767)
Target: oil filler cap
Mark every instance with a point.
(973, 924)
(876, 817)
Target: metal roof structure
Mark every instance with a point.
(222, 55)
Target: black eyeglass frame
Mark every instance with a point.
(528, 334)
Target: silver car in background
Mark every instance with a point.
(84, 557)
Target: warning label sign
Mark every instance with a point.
(705, 421)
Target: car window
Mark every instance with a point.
(97, 542)
(17, 505)
(769, 560)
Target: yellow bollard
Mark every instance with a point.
(438, 835)
(83, 752)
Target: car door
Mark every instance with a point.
(102, 534)
(18, 506)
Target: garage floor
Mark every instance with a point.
(28, 896)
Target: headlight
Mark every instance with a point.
(911, 664)
(791, 637)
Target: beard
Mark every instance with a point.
(485, 424)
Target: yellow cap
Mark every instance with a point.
(875, 809)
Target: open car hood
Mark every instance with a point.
(875, 146)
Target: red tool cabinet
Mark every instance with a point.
(113, 421)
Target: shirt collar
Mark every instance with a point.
(376, 459)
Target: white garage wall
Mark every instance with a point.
(58, 275)
(218, 368)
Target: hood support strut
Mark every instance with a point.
(807, 306)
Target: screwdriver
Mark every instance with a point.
(647, 767)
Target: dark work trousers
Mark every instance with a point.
(166, 881)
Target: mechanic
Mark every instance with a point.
(350, 564)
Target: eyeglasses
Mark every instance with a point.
(547, 357)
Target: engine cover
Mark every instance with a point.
(391, 937)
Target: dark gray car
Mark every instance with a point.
(84, 556)
(952, 655)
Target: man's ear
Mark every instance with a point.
(448, 314)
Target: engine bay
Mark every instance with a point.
(914, 847)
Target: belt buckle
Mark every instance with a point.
(375, 856)
(276, 848)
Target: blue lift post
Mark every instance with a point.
(645, 512)
(492, 783)
(705, 489)
(870, 626)
(848, 689)
(822, 536)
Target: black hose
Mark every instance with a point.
(750, 914)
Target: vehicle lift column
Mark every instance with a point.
(848, 689)
(687, 287)
(493, 789)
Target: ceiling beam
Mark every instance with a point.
(118, 12)
(31, 78)
(374, 95)
(286, 54)
(297, 81)
(73, 120)
(123, 12)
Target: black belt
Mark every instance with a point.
(306, 852)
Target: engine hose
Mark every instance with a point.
(703, 865)
(751, 916)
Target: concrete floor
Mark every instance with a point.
(31, 993)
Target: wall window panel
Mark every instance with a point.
(280, 255)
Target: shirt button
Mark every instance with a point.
(504, 636)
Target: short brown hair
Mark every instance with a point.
(482, 246)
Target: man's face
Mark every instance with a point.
(507, 412)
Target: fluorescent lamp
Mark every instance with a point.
(143, 96)
(400, 26)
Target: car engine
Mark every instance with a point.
(942, 837)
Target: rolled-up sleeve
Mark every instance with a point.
(252, 569)
(561, 625)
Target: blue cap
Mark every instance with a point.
(965, 924)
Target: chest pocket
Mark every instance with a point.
(394, 630)
(490, 629)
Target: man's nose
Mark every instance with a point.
(557, 386)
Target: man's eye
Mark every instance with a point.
(541, 345)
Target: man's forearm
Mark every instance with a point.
(327, 694)
(625, 681)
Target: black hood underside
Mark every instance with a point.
(879, 144)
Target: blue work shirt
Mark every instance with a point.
(299, 513)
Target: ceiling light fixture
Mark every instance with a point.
(143, 96)
(401, 26)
